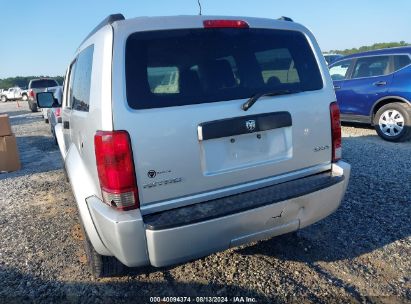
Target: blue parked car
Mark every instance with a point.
(330, 58)
(375, 88)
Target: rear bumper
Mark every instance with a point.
(136, 241)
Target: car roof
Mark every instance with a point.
(145, 23)
(388, 51)
(45, 78)
(187, 21)
(395, 50)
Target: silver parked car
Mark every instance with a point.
(183, 136)
(54, 114)
(57, 92)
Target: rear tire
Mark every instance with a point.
(33, 106)
(393, 122)
(100, 265)
(3, 98)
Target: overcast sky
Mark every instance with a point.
(39, 37)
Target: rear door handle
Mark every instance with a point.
(380, 83)
(66, 125)
(336, 87)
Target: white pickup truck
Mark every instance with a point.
(11, 94)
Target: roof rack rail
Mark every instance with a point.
(286, 19)
(108, 20)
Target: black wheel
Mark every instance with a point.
(100, 265)
(24, 97)
(3, 98)
(33, 106)
(393, 122)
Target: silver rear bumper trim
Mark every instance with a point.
(219, 193)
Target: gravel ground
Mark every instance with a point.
(361, 253)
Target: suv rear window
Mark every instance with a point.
(192, 66)
(43, 83)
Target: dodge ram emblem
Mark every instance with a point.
(151, 174)
(250, 125)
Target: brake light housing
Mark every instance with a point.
(115, 169)
(31, 93)
(335, 132)
(58, 115)
(225, 24)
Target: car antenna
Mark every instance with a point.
(199, 5)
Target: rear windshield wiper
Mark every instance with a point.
(249, 103)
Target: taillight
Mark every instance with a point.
(31, 93)
(225, 24)
(58, 112)
(335, 131)
(115, 169)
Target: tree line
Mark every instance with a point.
(23, 81)
(375, 46)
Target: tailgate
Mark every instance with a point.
(191, 139)
(193, 150)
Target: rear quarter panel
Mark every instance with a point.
(401, 84)
(80, 158)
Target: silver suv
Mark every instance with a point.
(183, 136)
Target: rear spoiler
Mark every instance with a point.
(283, 18)
(106, 21)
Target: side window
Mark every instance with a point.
(69, 92)
(339, 71)
(82, 80)
(371, 66)
(277, 66)
(401, 61)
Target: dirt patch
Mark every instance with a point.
(76, 233)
